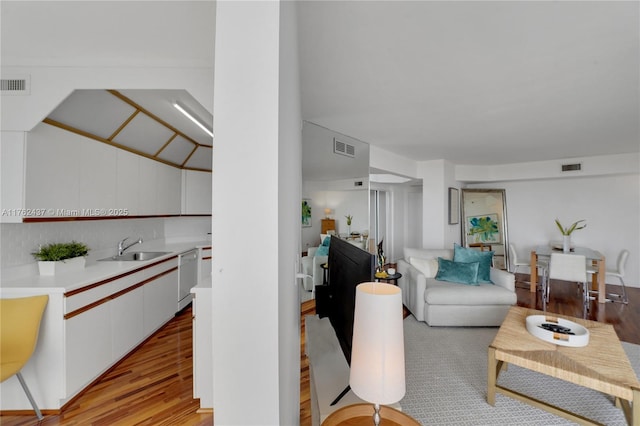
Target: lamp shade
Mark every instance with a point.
(377, 349)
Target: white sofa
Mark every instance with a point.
(311, 268)
(440, 303)
(311, 263)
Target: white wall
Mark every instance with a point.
(602, 165)
(321, 162)
(343, 200)
(606, 193)
(404, 218)
(609, 204)
(437, 177)
(255, 299)
(385, 160)
(289, 190)
(329, 181)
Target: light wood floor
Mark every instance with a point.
(153, 386)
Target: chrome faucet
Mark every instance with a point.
(122, 248)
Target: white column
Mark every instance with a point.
(245, 221)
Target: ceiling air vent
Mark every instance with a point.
(15, 86)
(571, 167)
(343, 148)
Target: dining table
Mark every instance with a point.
(596, 258)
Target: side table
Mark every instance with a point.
(391, 279)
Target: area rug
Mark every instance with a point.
(446, 379)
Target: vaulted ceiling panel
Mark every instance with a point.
(160, 104)
(93, 111)
(141, 121)
(202, 159)
(177, 151)
(144, 134)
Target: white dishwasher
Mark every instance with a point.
(188, 273)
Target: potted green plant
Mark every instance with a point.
(57, 258)
(566, 233)
(349, 219)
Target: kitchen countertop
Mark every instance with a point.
(95, 270)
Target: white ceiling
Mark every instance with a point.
(474, 82)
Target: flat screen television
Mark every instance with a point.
(349, 266)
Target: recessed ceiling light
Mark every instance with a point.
(192, 118)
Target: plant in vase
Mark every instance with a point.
(61, 257)
(349, 219)
(566, 233)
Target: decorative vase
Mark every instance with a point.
(61, 266)
(566, 243)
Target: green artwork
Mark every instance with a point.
(483, 229)
(306, 212)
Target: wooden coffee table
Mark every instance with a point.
(602, 365)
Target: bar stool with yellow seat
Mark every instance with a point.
(19, 326)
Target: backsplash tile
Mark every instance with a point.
(19, 240)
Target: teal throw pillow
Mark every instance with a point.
(484, 258)
(323, 250)
(457, 272)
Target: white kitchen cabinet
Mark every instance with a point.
(147, 177)
(205, 263)
(160, 301)
(196, 192)
(98, 337)
(159, 190)
(87, 347)
(96, 178)
(87, 330)
(127, 181)
(127, 328)
(202, 344)
(69, 174)
(59, 173)
(11, 176)
(52, 174)
(168, 189)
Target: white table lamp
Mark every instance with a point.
(377, 350)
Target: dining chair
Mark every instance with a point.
(19, 327)
(567, 267)
(517, 262)
(615, 273)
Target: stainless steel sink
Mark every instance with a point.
(136, 256)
